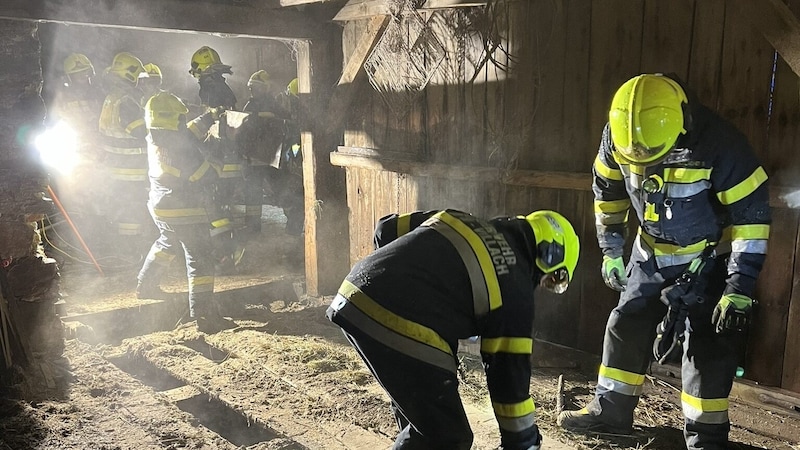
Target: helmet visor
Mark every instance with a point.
(556, 281)
(639, 154)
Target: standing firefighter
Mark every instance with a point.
(450, 276)
(701, 199)
(180, 185)
(122, 132)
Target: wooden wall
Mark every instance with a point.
(519, 131)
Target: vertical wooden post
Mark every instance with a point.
(327, 240)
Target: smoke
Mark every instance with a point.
(792, 199)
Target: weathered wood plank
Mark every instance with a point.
(615, 54)
(706, 52)
(577, 142)
(667, 37)
(562, 180)
(235, 19)
(768, 333)
(746, 76)
(777, 23)
(353, 76)
(361, 9)
(791, 357)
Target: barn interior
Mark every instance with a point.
(495, 107)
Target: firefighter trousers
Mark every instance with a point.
(708, 363)
(195, 241)
(424, 398)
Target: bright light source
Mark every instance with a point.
(58, 147)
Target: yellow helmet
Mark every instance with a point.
(127, 67)
(202, 59)
(260, 77)
(292, 87)
(646, 118)
(557, 248)
(77, 62)
(151, 71)
(163, 112)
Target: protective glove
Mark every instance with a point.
(614, 273)
(732, 312)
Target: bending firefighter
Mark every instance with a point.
(438, 277)
(181, 182)
(701, 198)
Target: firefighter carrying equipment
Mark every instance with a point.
(732, 313)
(127, 67)
(76, 63)
(684, 293)
(165, 111)
(206, 61)
(646, 118)
(614, 275)
(557, 248)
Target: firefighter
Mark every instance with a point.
(150, 81)
(266, 164)
(440, 276)
(122, 132)
(207, 67)
(216, 97)
(693, 182)
(77, 103)
(180, 186)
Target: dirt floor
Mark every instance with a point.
(285, 378)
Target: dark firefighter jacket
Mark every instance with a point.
(179, 178)
(452, 277)
(711, 188)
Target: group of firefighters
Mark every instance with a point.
(198, 180)
(436, 277)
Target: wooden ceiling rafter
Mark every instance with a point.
(778, 24)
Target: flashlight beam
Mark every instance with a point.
(74, 228)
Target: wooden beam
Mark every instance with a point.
(558, 180)
(778, 25)
(361, 9)
(398, 162)
(230, 18)
(353, 76)
(438, 4)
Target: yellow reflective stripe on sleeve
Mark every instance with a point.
(753, 231)
(403, 224)
(202, 284)
(266, 115)
(520, 409)
(605, 171)
(515, 345)
(196, 131)
(610, 207)
(392, 321)
(743, 189)
(633, 379)
(174, 171)
(481, 253)
(685, 175)
(134, 125)
(200, 171)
